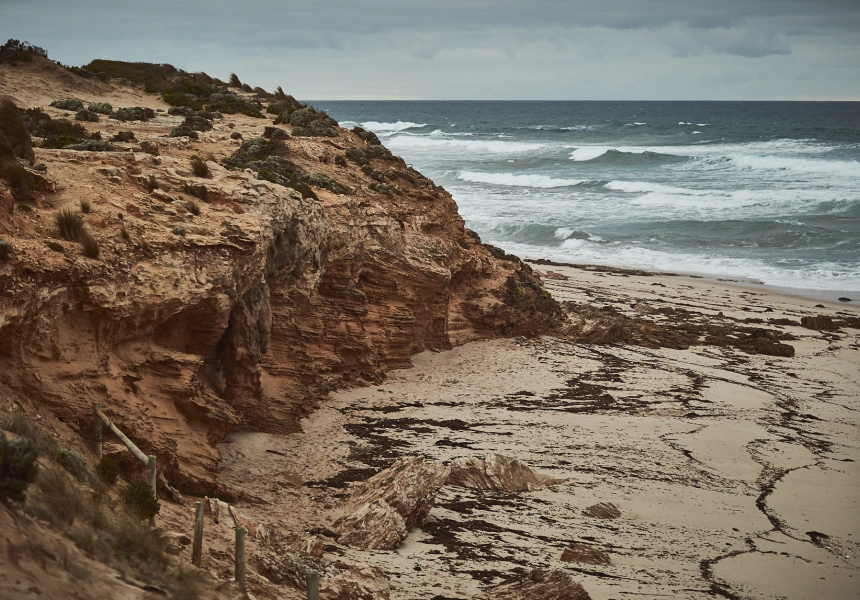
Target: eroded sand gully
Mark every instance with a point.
(736, 475)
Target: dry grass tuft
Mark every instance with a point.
(85, 207)
(70, 223)
(90, 244)
(199, 166)
(193, 208)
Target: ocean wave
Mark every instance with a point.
(797, 165)
(378, 127)
(512, 179)
(450, 143)
(628, 154)
(788, 273)
(639, 187)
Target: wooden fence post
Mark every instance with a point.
(150, 467)
(197, 544)
(240, 556)
(313, 585)
(97, 426)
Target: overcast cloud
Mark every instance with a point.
(473, 49)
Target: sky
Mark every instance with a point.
(473, 49)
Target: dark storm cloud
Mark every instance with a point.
(463, 40)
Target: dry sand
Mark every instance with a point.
(736, 475)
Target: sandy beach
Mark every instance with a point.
(735, 474)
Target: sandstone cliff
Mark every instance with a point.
(187, 325)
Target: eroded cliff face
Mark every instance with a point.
(246, 314)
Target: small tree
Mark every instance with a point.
(139, 500)
(18, 468)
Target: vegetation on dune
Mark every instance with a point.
(86, 115)
(69, 223)
(69, 104)
(15, 51)
(14, 133)
(199, 166)
(6, 250)
(102, 108)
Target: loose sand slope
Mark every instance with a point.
(735, 474)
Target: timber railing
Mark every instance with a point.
(100, 420)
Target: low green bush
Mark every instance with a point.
(183, 131)
(69, 104)
(18, 467)
(138, 498)
(102, 108)
(6, 250)
(107, 469)
(134, 113)
(87, 115)
(15, 137)
(91, 146)
(124, 136)
(367, 136)
(74, 463)
(55, 246)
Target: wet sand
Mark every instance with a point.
(736, 474)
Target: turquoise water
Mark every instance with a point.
(768, 191)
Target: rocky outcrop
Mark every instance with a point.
(231, 301)
(584, 554)
(498, 473)
(382, 510)
(555, 585)
(356, 581)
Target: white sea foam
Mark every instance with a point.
(377, 127)
(562, 233)
(798, 165)
(512, 179)
(443, 144)
(639, 187)
(588, 153)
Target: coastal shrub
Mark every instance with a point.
(183, 131)
(32, 117)
(59, 133)
(91, 146)
(197, 123)
(85, 207)
(273, 133)
(364, 155)
(124, 234)
(19, 179)
(277, 108)
(231, 103)
(266, 158)
(6, 250)
(18, 467)
(138, 498)
(235, 136)
(340, 161)
(20, 425)
(500, 254)
(324, 181)
(382, 188)
(73, 463)
(102, 108)
(181, 111)
(69, 104)
(134, 113)
(234, 81)
(199, 167)
(90, 244)
(247, 88)
(15, 132)
(366, 169)
(14, 51)
(377, 175)
(367, 136)
(315, 129)
(155, 75)
(55, 246)
(87, 115)
(149, 147)
(107, 470)
(179, 230)
(70, 223)
(124, 136)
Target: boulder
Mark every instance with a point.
(581, 553)
(382, 510)
(555, 585)
(602, 510)
(498, 473)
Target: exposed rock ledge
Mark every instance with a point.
(247, 313)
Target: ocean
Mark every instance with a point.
(761, 191)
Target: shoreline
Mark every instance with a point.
(829, 296)
(735, 474)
